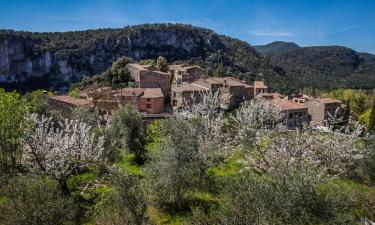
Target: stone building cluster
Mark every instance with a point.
(158, 93)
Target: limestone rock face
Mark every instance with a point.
(29, 56)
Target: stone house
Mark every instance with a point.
(145, 100)
(66, 104)
(295, 114)
(147, 76)
(319, 108)
(232, 91)
(259, 87)
(186, 74)
(187, 94)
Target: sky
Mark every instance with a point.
(348, 23)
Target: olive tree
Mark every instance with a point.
(125, 204)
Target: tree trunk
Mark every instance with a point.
(64, 186)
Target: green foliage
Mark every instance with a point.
(127, 124)
(162, 64)
(74, 92)
(324, 68)
(13, 109)
(359, 103)
(117, 76)
(147, 62)
(371, 123)
(35, 201)
(125, 204)
(128, 163)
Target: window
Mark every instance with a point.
(148, 99)
(290, 115)
(149, 106)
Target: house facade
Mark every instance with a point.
(320, 108)
(147, 76)
(186, 74)
(65, 105)
(295, 114)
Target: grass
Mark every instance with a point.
(160, 217)
(360, 197)
(127, 162)
(231, 167)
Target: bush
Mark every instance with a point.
(35, 201)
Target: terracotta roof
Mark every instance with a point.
(70, 100)
(270, 95)
(231, 81)
(137, 66)
(328, 100)
(152, 93)
(287, 105)
(259, 84)
(130, 92)
(160, 72)
(176, 67)
(188, 88)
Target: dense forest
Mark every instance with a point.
(203, 165)
(276, 47)
(57, 60)
(321, 67)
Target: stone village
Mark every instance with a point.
(157, 94)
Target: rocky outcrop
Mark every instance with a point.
(59, 59)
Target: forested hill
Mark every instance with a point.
(327, 67)
(276, 46)
(56, 60)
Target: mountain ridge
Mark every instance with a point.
(56, 60)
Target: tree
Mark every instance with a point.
(34, 201)
(74, 92)
(12, 124)
(253, 120)
(220, 71)
(147, 62)
(189, 143)
(126, 204)
(162, 64)
(60, 152)
(128, 125)
(119, 74)
(371, 126)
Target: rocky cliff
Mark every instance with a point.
(56, 60)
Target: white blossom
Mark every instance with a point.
(59, 150)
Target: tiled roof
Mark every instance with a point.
(328, 100)
(270, 95)
(70, 100)
(129, 92)
(160, 72)
(188, 88)
(152, 93)
(231, 81)
(259, 84)
(287, 105)
(137, 66)
(140, 92)
(176, 67)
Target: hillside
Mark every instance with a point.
(56, 60)
(276, 47)
(327, 67)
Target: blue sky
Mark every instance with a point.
(315, 22)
